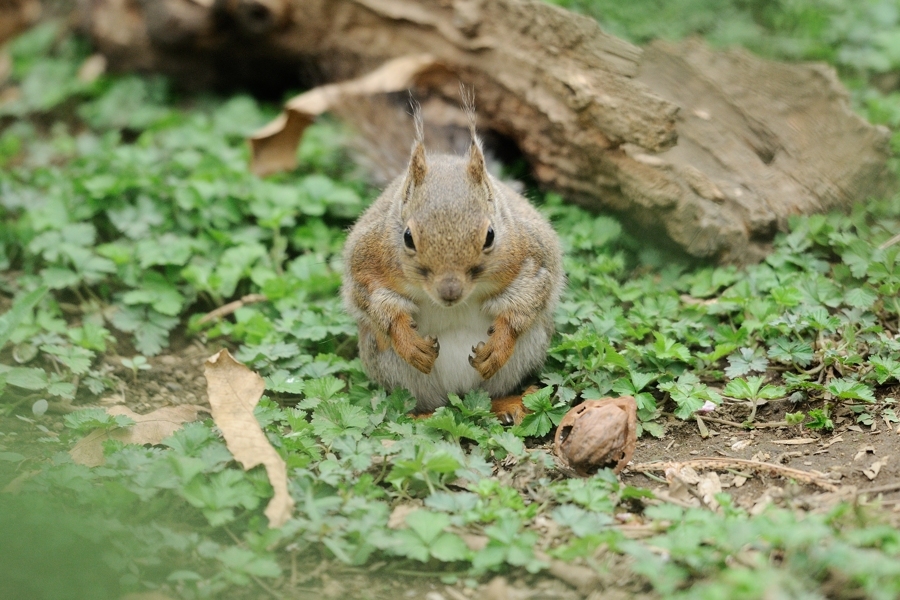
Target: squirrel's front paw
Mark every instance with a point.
(420, 352)
(490, 356)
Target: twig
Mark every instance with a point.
(814, 370)
(890, 242)
(766, 425)
(266, 588)
(737, 463)
(229, 308)
(880, 489)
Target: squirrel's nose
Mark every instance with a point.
(449, 289)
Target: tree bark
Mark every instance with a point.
(715, 148)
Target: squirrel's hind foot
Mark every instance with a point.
(510, 410)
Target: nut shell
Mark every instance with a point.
(597, 434)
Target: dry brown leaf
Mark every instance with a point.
(708, 486)
(875, 468)
(397, 520)
(762, 503)
(823, 447)
(863, 451)
(474, 542)
(274, 146)
(679, 484)
(496, 589)
(151, 428)
(234, 391)
(740, 445)
(15, 486)
(6, 67)
(92, 68)
(583, 579)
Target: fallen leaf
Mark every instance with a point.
(151, 428)
(15, 486)
(679, 482)
(689, 474)
(234, 391)
(740, 445)
(397, 520)
(583, 579)
(823, 448)
(704, 430)
(274, 146)
(6, 67)
(875, 468)
(92, 68)
(475, 542)
(796, 441)
(708, 486)
(863, 451)
(496, 589)
(762, 503)
(112, 400)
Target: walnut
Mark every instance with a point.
(597, 434)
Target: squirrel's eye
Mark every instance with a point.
(407, 239)
(489, 238)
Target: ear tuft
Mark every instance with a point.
(417, 165)
(475, 168)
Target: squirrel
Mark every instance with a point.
(453, 278)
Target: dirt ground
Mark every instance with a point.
(859, 461)
(856, 461)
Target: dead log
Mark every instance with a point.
(16, 16)
(715, 148)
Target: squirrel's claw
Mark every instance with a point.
(420, 352)
(491, 356)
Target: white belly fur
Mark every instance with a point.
(458, 329)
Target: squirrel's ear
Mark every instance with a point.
(417, 169)
(476, 168)
(417, 166)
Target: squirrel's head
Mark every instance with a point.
(448, 228)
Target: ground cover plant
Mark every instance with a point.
(129, 214)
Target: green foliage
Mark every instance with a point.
(543, 414)
(752, 388)
(89, 419)
(130, 216)
(425, 538)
